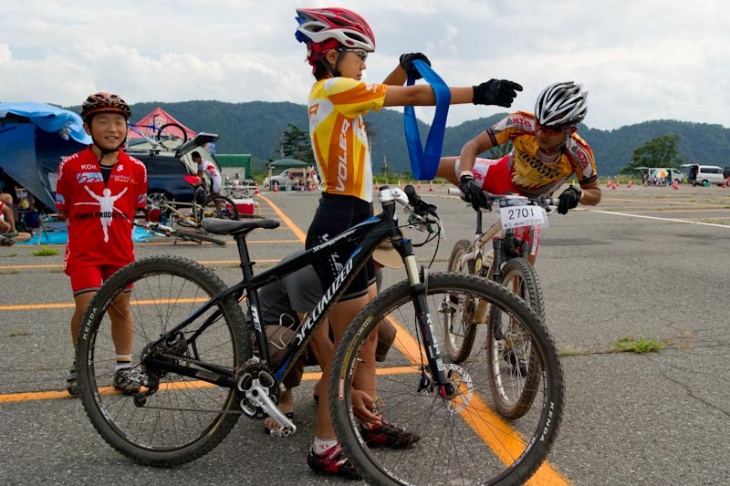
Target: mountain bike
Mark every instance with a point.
(191, 215)
(168, 136)
(197, 371)
(500, 254)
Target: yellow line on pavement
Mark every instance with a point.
(287, 221)
(495, 432)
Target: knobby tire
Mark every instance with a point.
(185, 418)
(461, 439)
(513, 370)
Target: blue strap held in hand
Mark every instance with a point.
(424, 163)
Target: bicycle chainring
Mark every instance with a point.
(255, 379)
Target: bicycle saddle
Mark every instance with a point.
(229, 227)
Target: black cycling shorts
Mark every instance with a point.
(334, 215)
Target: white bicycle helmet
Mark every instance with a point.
(561, 104)
(319, 25)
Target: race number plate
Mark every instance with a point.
(516, 216)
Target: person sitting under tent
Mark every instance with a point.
(9, 234)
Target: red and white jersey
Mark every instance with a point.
(100, 215)
(208, 167)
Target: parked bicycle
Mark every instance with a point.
(500, 254)
(167, 137)
(197, 374)
(192, 214)
(193, 235)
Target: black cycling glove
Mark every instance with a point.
(569, 199)
(472, 193)
(406, 62)
(498, 92)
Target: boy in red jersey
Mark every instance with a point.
(98, 192)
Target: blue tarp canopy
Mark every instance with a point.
(33, 138)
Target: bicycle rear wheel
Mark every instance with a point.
(220, 207)
(171, 136)
(459, 334)
(513, 369)
(460, 439)
(172, 419)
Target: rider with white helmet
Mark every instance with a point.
(547, 150)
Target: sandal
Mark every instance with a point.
(279, 431)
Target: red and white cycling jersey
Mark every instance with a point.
(100, 215)
(208, 167)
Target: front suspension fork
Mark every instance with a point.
(419, 291)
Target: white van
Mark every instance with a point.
(704, 175)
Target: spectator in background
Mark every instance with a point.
(206, 167)
(9, 234)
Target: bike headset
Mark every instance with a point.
(561, 105)
(325, 29)
(104, 102)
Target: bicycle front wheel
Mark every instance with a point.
(171, 136)
(220, 207)
(459, 334)
(163, 419)
(513, 369)
(455, 439)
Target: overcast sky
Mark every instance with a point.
(639, 59)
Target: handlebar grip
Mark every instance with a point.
(455, 191)
(413, 197)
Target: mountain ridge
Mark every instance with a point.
(256, 127)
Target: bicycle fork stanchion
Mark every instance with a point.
(419, 288)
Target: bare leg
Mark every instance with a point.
(82, 303)
(122, 329)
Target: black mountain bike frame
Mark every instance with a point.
(360, 240)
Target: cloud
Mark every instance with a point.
(639, 59)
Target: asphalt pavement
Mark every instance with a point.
(647, 263)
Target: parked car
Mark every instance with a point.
(661, 176)
(290, 178)
(166, 171)
(705, 175)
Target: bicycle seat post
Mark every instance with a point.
(246, 263)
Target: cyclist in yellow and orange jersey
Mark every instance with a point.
(338, 43)
(546, 151)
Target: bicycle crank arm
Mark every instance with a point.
(258, 395)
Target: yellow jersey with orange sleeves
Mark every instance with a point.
(530, 173)
(339, 138)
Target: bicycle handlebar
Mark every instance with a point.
(544, 202)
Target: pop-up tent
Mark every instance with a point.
(156, 118)
(33, 139)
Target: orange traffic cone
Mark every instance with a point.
(629, 184)
(614, 185)
(675, 185)
(276, 186)
(256, 189)
(724, 183)
(377, 187)
(419, 185)
(430, 186)
(608, 182)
